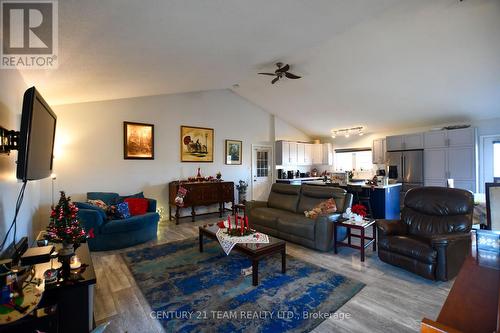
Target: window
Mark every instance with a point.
(496, 159)
(353, 160)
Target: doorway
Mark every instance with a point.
(262, 176)
(489, 166)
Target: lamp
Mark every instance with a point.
(53, 178)
(348, 131)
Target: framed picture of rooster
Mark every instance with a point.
(197, 144)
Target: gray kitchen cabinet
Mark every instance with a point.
(405, 142)
(378, 151)
(457, 163)
(435, 139)
(435, 164)
(450, 138)
(461, 137)
(461, 163)
(394, 142)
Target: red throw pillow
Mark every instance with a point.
(137, 206)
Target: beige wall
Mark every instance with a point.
(89, 141)
(12, 88)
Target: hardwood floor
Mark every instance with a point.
(392, 301)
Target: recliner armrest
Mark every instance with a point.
(445, 239)
(391, 228)
(249, 205)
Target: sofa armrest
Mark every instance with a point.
(151, 205)
(348, 201)
(91, 219)
(446, 239)
(391, 228)
(249, 205)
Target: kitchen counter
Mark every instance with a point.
(362, 184)
(298, 179)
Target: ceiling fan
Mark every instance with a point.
(281, 72)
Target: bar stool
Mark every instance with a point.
(361, 196)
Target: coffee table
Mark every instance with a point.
(361, 226)
(255, 252)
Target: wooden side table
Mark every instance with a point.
(361, 226)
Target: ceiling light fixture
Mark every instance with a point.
(346, 132)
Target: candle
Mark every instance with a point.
(242, 225)
(229, 222)
(75, 262)
(246, 222)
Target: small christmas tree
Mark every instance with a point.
(64, 226)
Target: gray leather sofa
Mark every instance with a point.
(283, 216)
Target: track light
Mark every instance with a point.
(346, 132)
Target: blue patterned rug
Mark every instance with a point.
(191, 291)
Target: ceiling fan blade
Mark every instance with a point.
(275, 80)
(292, 76)
(283, 69)
(271, 74)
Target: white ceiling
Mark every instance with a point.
(378, 63)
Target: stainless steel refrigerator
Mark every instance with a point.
(407, 167)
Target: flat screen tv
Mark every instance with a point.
(36, 138)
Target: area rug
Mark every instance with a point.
(190, 291)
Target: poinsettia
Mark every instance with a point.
(359, 209)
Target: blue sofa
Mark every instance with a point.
(117, 234)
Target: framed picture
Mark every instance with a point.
(138, 141)
(233, 152)
(493, 206)
(197, 144)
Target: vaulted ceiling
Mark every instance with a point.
(378, 63)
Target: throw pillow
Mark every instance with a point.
(137, 206)
(122, 210)
(323, 208)
(98, 203)
(136, 195)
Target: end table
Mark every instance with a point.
(361, 226)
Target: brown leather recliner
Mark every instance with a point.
(433, 238)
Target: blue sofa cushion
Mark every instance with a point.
(136, 195)
(85, 205)
(133, 223)
(109, 198)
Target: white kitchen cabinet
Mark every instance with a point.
(405, 142)
(292, 153)
(286, 153)
(438, 183)
(301, 152)
(327, 154)
(378, 151)
(435, 139)
(308, 153)
(317, 154)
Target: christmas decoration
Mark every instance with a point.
(179, 198)
(359, 209)
(64, 226)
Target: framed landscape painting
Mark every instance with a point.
(138, 141)
(233, 152)
(197, 144)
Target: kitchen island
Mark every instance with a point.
(384, 199)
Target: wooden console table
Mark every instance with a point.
(472, 305)
(200, 194)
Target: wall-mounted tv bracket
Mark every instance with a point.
(9, 140)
